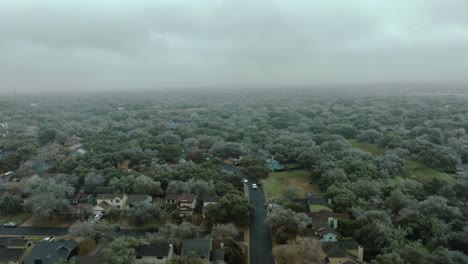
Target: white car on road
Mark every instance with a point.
(254, 186)
(48, 239)
(246, 181)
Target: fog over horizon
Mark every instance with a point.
(70, 46)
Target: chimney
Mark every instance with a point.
(37, 261)
(361, 253)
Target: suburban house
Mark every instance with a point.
(208, 201)
(75, 146)
(201, 247)
(323, 233)
(12, 249)
(51, 252)
(185, 202)
(109, 201)
(274, 165)
(79, 198)
(317, 203)
(138, 198)
(348, 252)
(324, 225)
(157, 254)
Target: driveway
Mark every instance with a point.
(259, 233)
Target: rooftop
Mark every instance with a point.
(50, 252)
(7, 255)
(181, 197)
(201, 247)
(336, 250)
(160, 250)
(109, 196)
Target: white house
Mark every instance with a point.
(109, 201)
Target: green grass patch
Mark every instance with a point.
(421, 172)
(276, 181)
(374, 149)
(17, 218)
(414, 169)
(54, 221)
(292, 166)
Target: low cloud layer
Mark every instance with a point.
(66, 45)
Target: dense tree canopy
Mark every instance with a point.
(386, 159)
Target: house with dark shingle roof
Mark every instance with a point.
(12, 249)
(158, 254)
(79, 198)
(185, 202)
(324, 225)
(339, 252)
(201, 247)
(51, 252)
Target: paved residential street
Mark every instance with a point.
(57, 231)
(260, 237)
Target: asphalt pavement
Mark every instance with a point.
(57, 231)
(259, 233)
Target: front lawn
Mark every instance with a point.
(54, 221)
(17, 218)
(276, 181)
(292, 166)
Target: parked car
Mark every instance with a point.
(272, 205)
(152, 229)
(48, 239)
(254, 186)
(246, 181)
(8, 173)
(98, 216)
(9, 224)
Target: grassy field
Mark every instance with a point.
(414, 169)
(54, 221)
(292, 166)
(18, 218)
(374, 149)
(276, 181)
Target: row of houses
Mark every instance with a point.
(185, 202)
(324, 225)
(324, 228)
(15, 250)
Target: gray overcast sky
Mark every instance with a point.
(81, 45)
